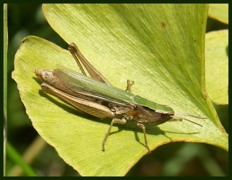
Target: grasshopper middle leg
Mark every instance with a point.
(130, 83)
(114, 121)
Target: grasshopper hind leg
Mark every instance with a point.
(82, 62)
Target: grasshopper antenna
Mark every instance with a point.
(181, 117)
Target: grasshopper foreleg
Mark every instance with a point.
(141, 126)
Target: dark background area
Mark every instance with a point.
(178, 159)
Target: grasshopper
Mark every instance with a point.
(95, 96)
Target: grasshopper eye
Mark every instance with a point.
(113, 110)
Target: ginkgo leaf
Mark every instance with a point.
(160, 47)
(219, 12)
(216, 60)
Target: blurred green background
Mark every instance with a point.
(177, 159)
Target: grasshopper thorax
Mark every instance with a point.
(148, 116)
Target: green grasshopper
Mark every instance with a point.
(97, 97)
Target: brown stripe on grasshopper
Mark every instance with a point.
(49, 78)
(89, 107)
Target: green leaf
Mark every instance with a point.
(16, 157)
(219, 12)
(5, 76)
(216, 60)
(160, 47)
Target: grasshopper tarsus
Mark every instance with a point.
(106, 136)
(129, 84)
(103, 149)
